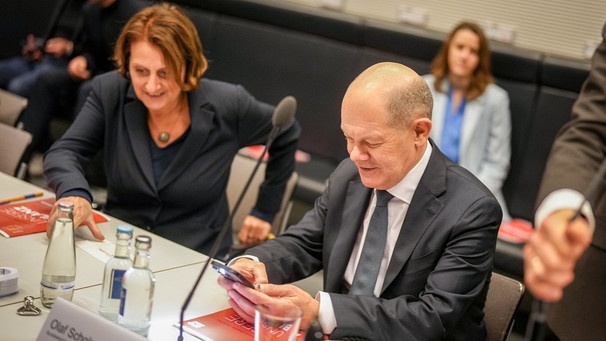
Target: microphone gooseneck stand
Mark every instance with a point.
(215, 248)
(283, 117)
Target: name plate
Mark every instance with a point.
(68, 321)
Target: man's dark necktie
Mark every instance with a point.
(374, 246)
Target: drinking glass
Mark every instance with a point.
(280, 322)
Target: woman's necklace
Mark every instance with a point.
(164, 136)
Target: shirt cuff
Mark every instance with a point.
(255, 258)
(564, 199)
(326, 315)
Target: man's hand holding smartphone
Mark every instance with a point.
(231, 274)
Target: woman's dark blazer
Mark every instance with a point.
(188, 203)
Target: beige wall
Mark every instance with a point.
(565, 28)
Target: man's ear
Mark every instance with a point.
(422, 128)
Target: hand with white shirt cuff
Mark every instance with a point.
(243, 299)
(556, 244)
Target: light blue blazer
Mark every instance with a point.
(485, 146)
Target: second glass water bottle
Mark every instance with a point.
(137, 294)
(115, 268)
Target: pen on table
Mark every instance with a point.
(21, 197)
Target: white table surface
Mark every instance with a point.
(172, 287)
(175, 267)
(26, 253)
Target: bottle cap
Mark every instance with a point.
(125, 229)
(143, 240)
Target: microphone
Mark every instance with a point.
(284, 114)
(283, 117)
(535, 329)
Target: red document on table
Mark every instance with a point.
(29, 217)
(224, 324)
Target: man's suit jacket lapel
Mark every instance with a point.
(354, 208)
(424, 208)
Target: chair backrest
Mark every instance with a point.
(13, 144)
(11, 106)
(504, 296)
(241, 169)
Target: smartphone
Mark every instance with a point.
(231, 274)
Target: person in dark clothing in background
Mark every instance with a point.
(19, 73)
(62, 91)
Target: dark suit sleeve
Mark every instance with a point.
(297, 253)
(66, 160)
(579, 147)
(253, 128)
(575, 157)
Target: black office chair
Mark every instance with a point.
(504, 296)
(241, 169)
(13, 145)
(11, 107)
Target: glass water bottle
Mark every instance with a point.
(114, 271)
(137, 294)
(59, 269)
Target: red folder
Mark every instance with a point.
(30, 217)
(224, 324)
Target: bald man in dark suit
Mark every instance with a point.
(442, 227)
